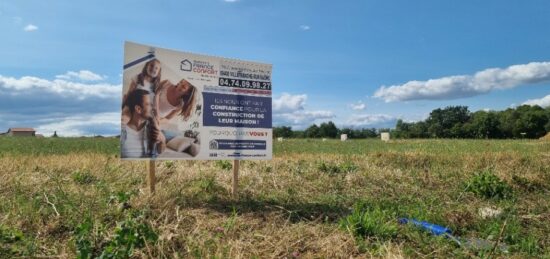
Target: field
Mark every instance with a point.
(62, 197)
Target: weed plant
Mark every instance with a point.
(487, 185)
(367, 221)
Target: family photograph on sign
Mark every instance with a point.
(148, 106)
(172, 101)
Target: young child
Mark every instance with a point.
(147, 80)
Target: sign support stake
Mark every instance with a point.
(235, 179)
(152, 179)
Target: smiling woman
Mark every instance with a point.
(176, 99)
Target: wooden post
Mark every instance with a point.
(152, 179)
(235, 179)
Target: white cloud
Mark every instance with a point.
(453, 87)
(288, 103)
(289, 110)
(230, 1)
(371, 120)
(305, 27)
(84, 75)
(71, 108)
(542, 102)
(358, 106)
(30, 27)
(301, 119)
(81, 91)
(83, 125)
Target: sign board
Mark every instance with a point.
(344, 137)
(180, 105)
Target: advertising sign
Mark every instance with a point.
(179, 105)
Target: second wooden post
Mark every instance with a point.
(152, 177)
(235, 179)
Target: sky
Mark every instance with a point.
(358, 63)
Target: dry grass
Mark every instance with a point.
(287, 207)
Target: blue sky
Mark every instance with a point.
(358, 63)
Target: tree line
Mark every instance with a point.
(458, 122)
(451, 122)
(326, 130)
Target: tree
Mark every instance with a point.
(420, 130)
(531, 121)
(447, 123)
(369, 133)
(484, 125)
(312, 132)
(283, 131)
(328, 130)
(298, 134)
(507, 120)
(402, 129)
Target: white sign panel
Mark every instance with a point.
(385, 136)
(179, 105)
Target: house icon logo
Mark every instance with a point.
(186, 65)
(213, 144)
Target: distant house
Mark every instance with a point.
(21, 132)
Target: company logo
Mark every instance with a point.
(198, 66)
(186, 65)
(213, 144)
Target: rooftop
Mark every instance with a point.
(21, 129)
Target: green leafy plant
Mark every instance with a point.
(230, 222)
(224, 164)
(12, 242)
(486, 184)
(9, 235)
(169, 164)
(129, 234)
(208, 184)
(83, 242)
(366, 221)
(334, 169)
(122, 199)
(328, 168)
(529, 245)
(348, 167)
(83, 177)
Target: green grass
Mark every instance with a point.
(111, 146)
(72, 197)
(57, 146)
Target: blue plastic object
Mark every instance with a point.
(432, 228)
(469, 243)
